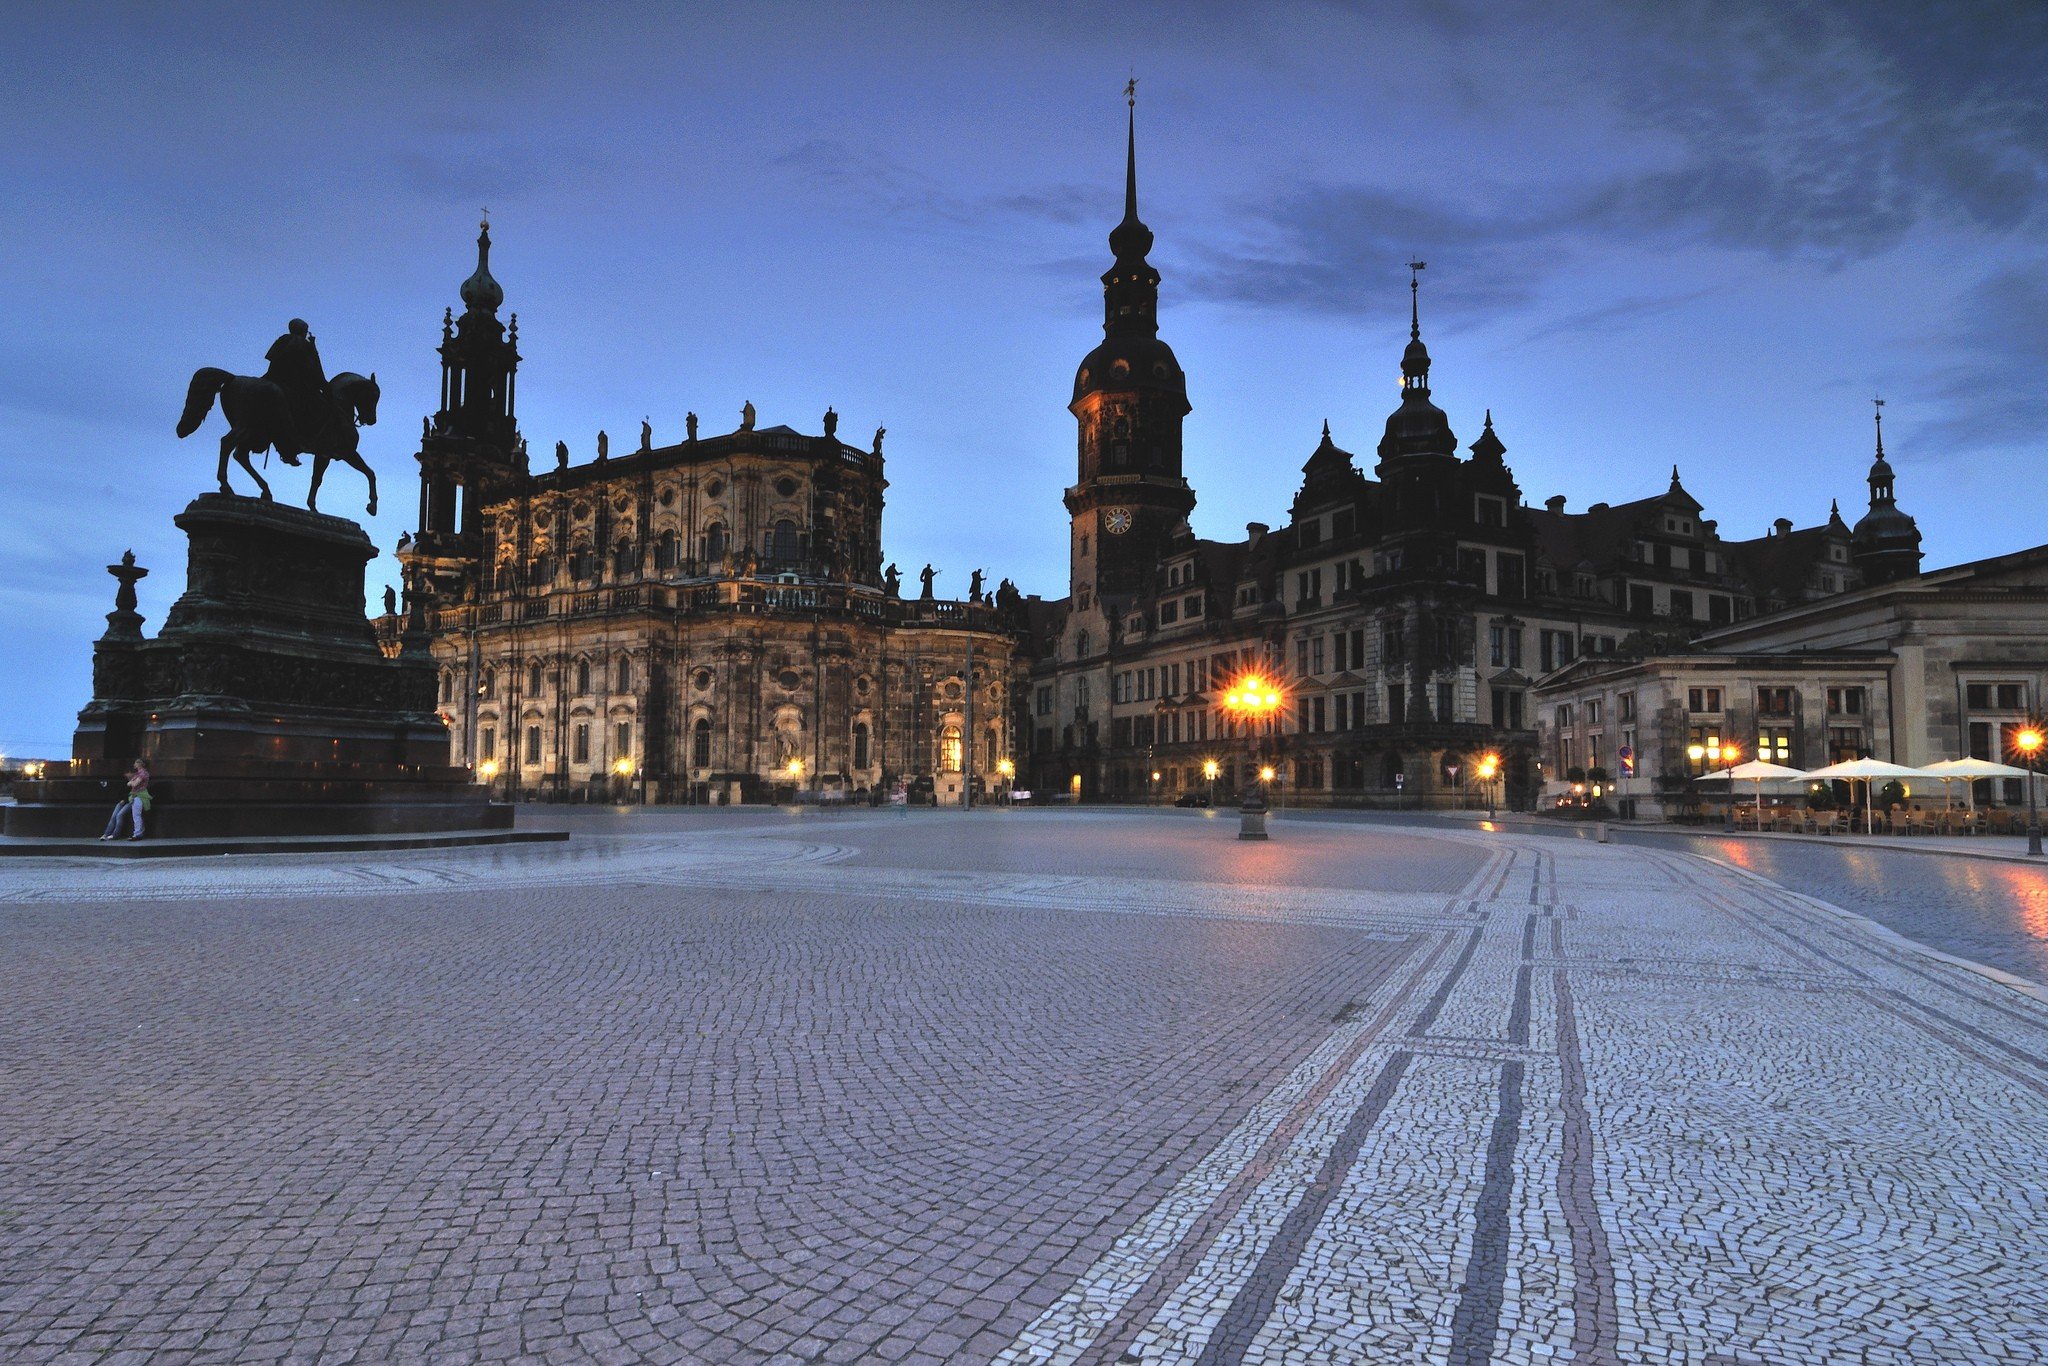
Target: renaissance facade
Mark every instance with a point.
(704, 621)
(1405, 616)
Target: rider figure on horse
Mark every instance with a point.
(295, 368)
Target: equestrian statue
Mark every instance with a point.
(293, 407)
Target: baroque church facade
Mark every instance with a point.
(707, 621)
(1405, 616)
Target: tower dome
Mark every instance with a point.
(1885, 541)
(481, 293)
(1417, 427)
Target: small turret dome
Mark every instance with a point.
(481, 293)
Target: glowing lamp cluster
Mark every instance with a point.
(1253, 696)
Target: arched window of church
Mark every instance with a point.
(625, 673)
(665, 552)
(488, 686)
(1081, 643)
(624, 561)
(860, 745)
(949, 749)
(533, 680)
(543, 570)
(782, 544)
(715, 544)
(582, 564)
(582, 678)
(700, 743)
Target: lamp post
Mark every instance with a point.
(795, 771)
(1253, 699)
(2028, 742)
(1210, 768)
(1487, 770)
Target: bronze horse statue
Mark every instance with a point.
(259, 417)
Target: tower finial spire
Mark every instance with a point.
(1415, 269)
(1131, 149)
(1130, 239)
(1877, 407)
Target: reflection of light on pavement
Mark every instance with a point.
(1739, 853)
(2029, 897)
(1488, 825)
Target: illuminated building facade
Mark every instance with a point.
(703, 621)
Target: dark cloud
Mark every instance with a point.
(1791, 130)
(1995, 396)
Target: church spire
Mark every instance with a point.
(1130, 287)
(1415, 360)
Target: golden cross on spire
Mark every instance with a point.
(487, 217)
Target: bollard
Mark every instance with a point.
(1251, 821)
(1600, 831)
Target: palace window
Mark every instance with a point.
(1703, 701)
(665, 552)
(624, 561)
(1845, 701)
(949, 749)
(700, 743)
(582, 564)
(1774, 701)
(1774, 745)
(715, 543)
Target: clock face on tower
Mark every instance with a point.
(1116, 521)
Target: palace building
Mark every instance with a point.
(1405, 614)
(705, 621)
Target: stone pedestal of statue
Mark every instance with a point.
(265, 705)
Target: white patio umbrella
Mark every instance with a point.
(1865, 770)
(1948, 770)
(1755, 771)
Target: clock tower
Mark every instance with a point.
(1129, 399)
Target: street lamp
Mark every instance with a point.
(2028, 742)
(1252, 699)
(1487, 770)
(1210, 768)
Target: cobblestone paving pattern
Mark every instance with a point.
(830, 1091)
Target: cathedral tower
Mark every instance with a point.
(1129, 399)
(471, 448)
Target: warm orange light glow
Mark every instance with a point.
(1254, 696)
(1489, 764)
(1266, 774)
(1210, 768)
(795, 768)
(1005, 768)
(623, 767)
(2028, 741)
(487, 770)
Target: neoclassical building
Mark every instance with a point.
(704, 621)
(1406, 613)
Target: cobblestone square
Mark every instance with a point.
(1004, 1086)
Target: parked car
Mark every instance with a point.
(1193, 799)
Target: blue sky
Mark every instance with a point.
(1700, 234)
